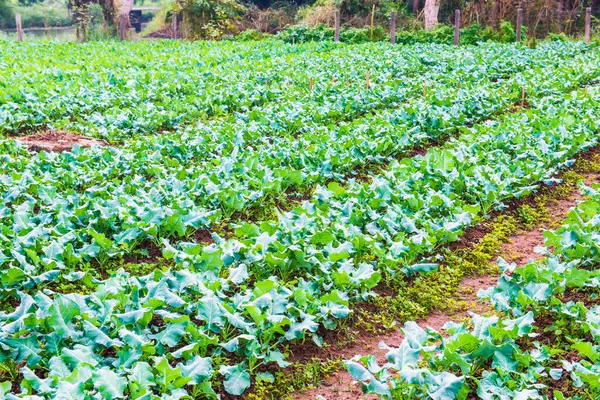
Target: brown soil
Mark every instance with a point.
(587, 297)
(468, 290)
(153, 254)
(164, 33)
(57, 141)
(521, 247)
(203, 236)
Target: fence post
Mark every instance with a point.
(519, 23)
(174, 17)
(183, 27)
(393, 27)
(122, 26)
(337, 25)
(456, 27)
(588, 24)
(19, 27)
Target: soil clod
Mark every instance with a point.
(57, 141)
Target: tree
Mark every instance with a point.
(7, 16)
(110, 13)
(431, 10)
(126, 6)
(82, 18)
(209, 19)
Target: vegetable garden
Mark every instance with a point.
(251, 197)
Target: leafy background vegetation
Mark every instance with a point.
(364, 20)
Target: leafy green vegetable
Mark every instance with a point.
(243, 129)
(540, 338)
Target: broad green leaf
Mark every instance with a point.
(109, 384)
(237, 379)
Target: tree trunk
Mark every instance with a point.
(495, 11)
(82, 18)
(126, 6)
(432, 8)
(415, 7)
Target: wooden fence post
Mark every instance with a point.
(456, 27)
(393, 27)
(183, 27)
(588, 24)
(372, 20)
(519, 23)
(337, 25)
(122, 26)
(174, 17)
(19, 27)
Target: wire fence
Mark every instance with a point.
(538, 20)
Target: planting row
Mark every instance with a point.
(543, 342)
(92, 93)
(221, 315)
(63, 209)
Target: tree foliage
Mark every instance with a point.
(210, 19)
(6, 13)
